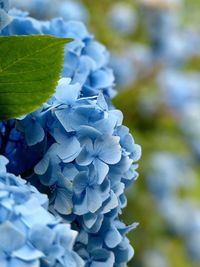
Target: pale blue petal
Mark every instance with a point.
(101, 169)
(27, 253)
(63, 202)
(84, 158)
(10, 237)
(76, 30)
(41, 237)
(68, 150)
(80, 208)
(85, 132)
(94, 200)
(82, 72)
(113, 238)
(97, 52)
(67, 93)
(65, 118)
(110, 150)
(136, 154)
(42, 166)
(70, 171)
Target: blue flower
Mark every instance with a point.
(86, 190)
(98, 257)
(122, 18)
(32, 128)
(104, 151)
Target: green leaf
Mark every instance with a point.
(30, 67)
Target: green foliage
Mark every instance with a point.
(30, 67)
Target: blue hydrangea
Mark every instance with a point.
(80, 153)
(122, 18)
(168, 175)
(169, 38)
(29, 234)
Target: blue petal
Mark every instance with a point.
(65, 117)
(63, 202)
(102, 79)
(80, 182)
(89, 219)
(70, 171)
(34, 214)
(111, 203)
(97, 52)
(85, 157)
(67, 93)
(41, 237)
(80, 206)
(68, 150)
(34, 133)
(113, 237)
(27, 253)
(94, 200)
(76, 30)
(42, 166)
(10, 237)
(83, 70)
(109, 149)
(101, 169)
(70, 63)
(136, 154)
(85, 132)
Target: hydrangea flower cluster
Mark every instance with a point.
(29, 234)
(181, 93)
(122, 18)
(75, 147)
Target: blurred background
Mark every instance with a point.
(155, 55)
